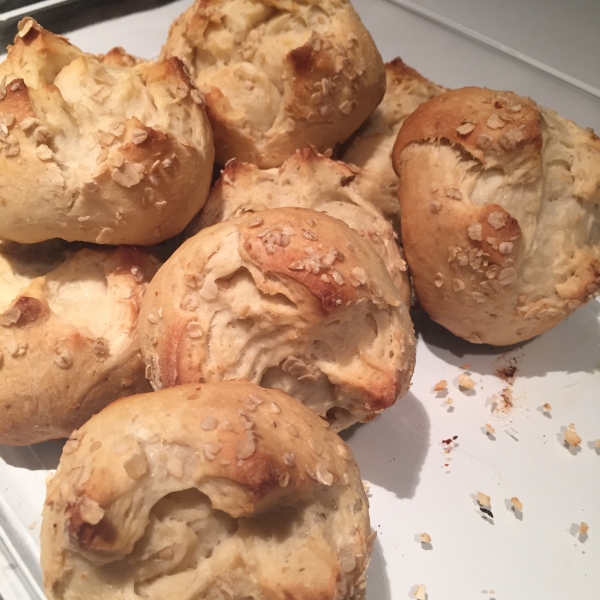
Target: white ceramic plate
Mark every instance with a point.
(420, 483)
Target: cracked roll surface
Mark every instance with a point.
(279, 75)
(306, 180)
(288, 298)
(210, 491)
(500, 213)
(68, 335)
(98, 149)
(370, 148)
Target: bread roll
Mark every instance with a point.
(370, 148)
(278, 75)
(307, 180)
(499, 200)
(68, 336)
(206, 491)
(98, 151)
(287, 298)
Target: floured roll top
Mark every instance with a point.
(68, 335)
(287, 298)
(206, 491)
(370, 149)
(106, 151)
(307, 180)
(279, 75)
(500, 213)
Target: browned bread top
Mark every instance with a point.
(289, 298)
(499, 200)
(279, 76)
(68, 335)
(104, 150)
(306, 180)
(205, 488)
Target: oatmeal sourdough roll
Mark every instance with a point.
(287, 298)
(500, 201)
(68, 335)
(306, 180)
(279, 75)
(110, 152)
(370, 148)
(220, 490)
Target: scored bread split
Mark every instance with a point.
(370, 148)
(99, 149)
(279, 75)
(306, 180)
(287, 298)
(500, 203)
(219, 491)
(68, 335)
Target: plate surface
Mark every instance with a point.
(425, 459)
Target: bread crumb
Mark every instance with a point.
(425, 538)
(32, 525)
(507, 276)
(449, 401)
(484, 141)
(474, 232)
(547, 407)
(43, 152)
(435, 207)
(495, 121)
(465, 366)
(597, 443)
(497, 219)
(440, 385)
(571, 436)
(458, 285)
(90, 511)
(483, 499)
(517, 505)
(465, 128)
(583, 528)
(489, 429)
(420, 592)
(464, 381)
(454, 194)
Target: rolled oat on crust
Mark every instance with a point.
(217, 491)
(287, 298)
(306, 180)
(68, 335)
(279, 76)
(499, 201)
(99, 149)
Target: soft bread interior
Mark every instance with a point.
(85, 294)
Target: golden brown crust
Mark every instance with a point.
(171, 482)
(329, 294)
(489, 183)
(306, 180)
(298, 74)
(492, 122)
(119, 57)
(287, 298)
(100, 149)
(68, 339)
